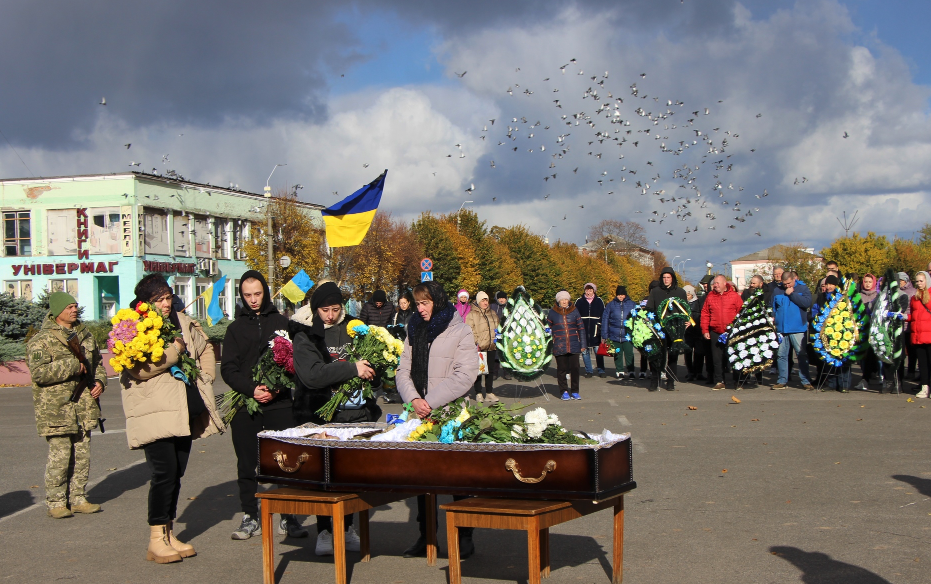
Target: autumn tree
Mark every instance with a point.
(859, 254)
(490, 263)
(908, 256)
(295, 234)
(794, 257)
(628, 236)
(577, 269)
(378, 262)
(633, 275)
(531, 255)
(437, 245)
(469, 276)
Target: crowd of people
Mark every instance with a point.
(165, 411)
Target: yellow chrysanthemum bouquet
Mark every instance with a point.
(140, 335)
(369, 343)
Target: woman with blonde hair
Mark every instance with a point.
(919, 321)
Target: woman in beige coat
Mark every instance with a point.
(484, 321)
(164, 414)
(438, 365)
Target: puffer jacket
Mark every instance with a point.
(919, 320)
(55, 371)
(568, 330)
(155, 403)
(720, 310)
(791, 312)
(373, 316)
(483, 324)
(591, 313)
(612, 323)
(452, 367)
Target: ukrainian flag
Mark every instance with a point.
(297, 288)
(348, 221)
(211, 298)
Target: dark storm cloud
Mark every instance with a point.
(170, 61)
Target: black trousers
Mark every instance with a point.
(243, 429)
(718, 359)
(568, 363)
(923, 356)
(911, 352)
(422, 516)
(167, 459)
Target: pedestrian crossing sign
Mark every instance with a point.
(426, 276)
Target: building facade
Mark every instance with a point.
(96, 236)
(760, 262)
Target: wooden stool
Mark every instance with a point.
(534, 517)
(307, 502)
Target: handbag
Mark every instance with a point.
(602, 349)
(483, 362)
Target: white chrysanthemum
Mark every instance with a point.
(751, 341)
(535, 430)
(738, 366)
(743, 354)
(757, 359)
(768, 354)
(535, 416)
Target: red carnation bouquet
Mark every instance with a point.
(275, 370)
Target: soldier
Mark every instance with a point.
(66, 423)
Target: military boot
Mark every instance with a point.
(60, 512)
(160, 550)
(185, 550)
(82, 505)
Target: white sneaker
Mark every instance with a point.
(491, 398)
(662, 376)
(862, 386)
(353, 543)
(324, 544)
(619, 374)
(479, 398)
(923, 393)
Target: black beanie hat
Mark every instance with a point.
(326, 294)
(500, 294)
(380, 296)
(621, 290)
(832, 279)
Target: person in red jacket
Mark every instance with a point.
(919, 321)
(719, 310)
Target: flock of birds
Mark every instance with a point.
(631, 145)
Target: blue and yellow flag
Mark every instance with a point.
(297, 288)
(348, 221)
(211, 298)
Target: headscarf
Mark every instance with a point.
(869, 296)
(421, 334)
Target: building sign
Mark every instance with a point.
(169, 267)
(83, 254)
(64, 268)
(126, 225)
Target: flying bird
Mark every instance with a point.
(103, 101)
(460, 75)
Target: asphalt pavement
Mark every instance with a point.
(784, 486)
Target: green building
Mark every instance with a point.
(95, 236)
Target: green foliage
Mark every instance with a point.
(439, 247)
(17, 316)
(99, 329)
(859, 254)
(11, 350)
(532, 255)
(217, 332)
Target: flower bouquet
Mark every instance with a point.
(887, 323)
(614, 347)
(675, 315)
(524, 339)
(275, 370)
(369, 343)
(646, 334)
(837, 332)
(860, 314)
(461, 421)
(752, 339)
(140, 335)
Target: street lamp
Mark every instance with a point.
(709, 265)
(459, 212)
(682, 264)
(268, 232)
(545, 239)
(610, 243)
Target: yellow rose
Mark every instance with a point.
(836, 336)
(828, 330)
(847, 335)
(829, 320)
(841, 305)
(836, 352)
(844, 345)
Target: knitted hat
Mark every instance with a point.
(592, 286)
(562, 295)
(326, 294)
(621, 290)
(500, 294)
(832, 279)
(462, 292)
(58, 302)
(380, 296)
(480, 296)
(903, 276)
(689, 289)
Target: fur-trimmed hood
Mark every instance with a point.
(305, 315)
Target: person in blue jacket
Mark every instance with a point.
(569, 340)
(791, 302)
(612, 328)
(591, 308)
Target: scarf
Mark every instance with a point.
(421, 336)
(463, 308)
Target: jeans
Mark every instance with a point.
(792, 341)
(587, 359)
(167, 458)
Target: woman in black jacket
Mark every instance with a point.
(246, 340)
(320, 366)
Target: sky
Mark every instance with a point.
(723, 127)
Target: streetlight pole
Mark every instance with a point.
(268, 232)
(709, 265)
(459, 213)
(545, 239)
(609, 244)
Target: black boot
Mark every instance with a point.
(418, 549)
(654, 382)
(466, 546)
(670, 383)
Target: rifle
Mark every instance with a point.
(86, 380)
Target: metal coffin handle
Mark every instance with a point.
(282, 459)
(511, 465)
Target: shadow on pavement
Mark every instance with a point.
(120, 482)
(922, 485)
(819, 568)
(14, 501)
(208, 508)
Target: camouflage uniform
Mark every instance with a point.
(67, 426)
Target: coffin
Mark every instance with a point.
(527, 471)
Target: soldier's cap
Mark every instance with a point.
(59, 301)
(706, 279)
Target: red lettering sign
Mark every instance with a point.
(48, 269)
(16, 269)
(72, 267)
(87, 267)
(83, 254)
(29, 270)
(110, 266)
(59, 268)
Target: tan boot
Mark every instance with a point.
(60, 512)
(185, 550)
(82, 505)
(160, 550)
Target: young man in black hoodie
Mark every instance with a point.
(668, 288)
(246, 340)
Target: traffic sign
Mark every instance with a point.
(426, 276)
(426, 264)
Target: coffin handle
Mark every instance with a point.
(282, 459)
(511, 465)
